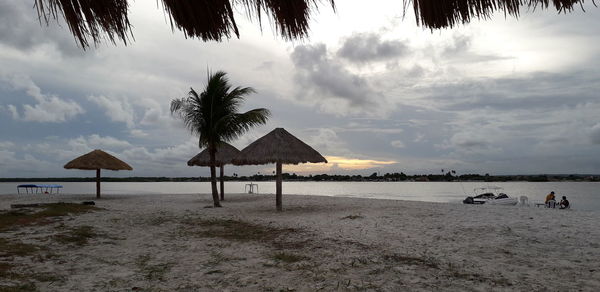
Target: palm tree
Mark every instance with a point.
(213, 116)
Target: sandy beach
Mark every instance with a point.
(176, 243)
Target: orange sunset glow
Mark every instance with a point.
(337, 162)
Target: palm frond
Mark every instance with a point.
(213, 114)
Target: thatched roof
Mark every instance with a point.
(225, 153)
(278, 146)
(448, 13)
(97, 159)
(207, 20)
(214, 19)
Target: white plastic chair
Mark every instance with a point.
(524, 200)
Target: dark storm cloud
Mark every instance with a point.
(21, 29)
(367, 47)
(320, 76)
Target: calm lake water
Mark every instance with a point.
(582, 195)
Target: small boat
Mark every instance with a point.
(490, 195)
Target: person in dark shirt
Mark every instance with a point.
(564, 203)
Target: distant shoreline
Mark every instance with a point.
(395, 177)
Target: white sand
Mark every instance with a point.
(392, 246)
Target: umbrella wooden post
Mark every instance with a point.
(222, 184)
(98, 183)
(278, 196)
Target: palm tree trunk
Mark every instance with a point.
(278, 196)
(213, 177)
(222, 184)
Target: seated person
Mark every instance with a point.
(564, 203)
(550, 200)
(550, 197)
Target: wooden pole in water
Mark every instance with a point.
(98, 183)
(278, 197)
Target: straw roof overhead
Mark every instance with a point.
(97, 159)
(278, 146)
(214, 19)
(225, 153)
(206, 20)
(437, 14)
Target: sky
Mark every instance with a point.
(369, 89)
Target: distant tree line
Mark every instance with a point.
(444, 177)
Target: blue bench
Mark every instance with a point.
(34, 189)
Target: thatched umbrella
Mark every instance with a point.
(97, 160)
(279, 147)
(225, 153)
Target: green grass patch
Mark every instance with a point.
(78, 235)
(14, 219)
(6, 270)
(27, 287)
(64, 209)
(412, 260)
(11, 281)
(152, 272)
(235, 230)
(9, 248)
(288, 258)
(352, 217)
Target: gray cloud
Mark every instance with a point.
(117, 109)
(20, 28)
(460, 44)
(397, 144)
(321, 78)
(536, 92)
(595, 134)
(49, 108)
(366, 47)
(460, 49)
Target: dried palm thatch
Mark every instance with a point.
(437, 14)
(97, 160)
(225, 153)
(214, 19)
(279, 146)
(204, 19)
(95, 19)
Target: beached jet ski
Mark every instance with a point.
(490, 196)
